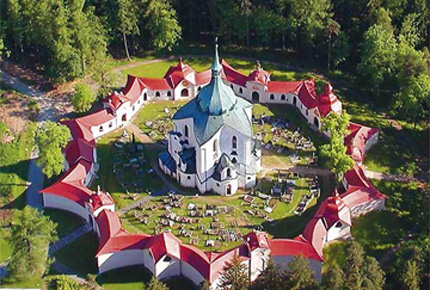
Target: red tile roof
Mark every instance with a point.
(315, 233)
(164, 244)
(357, 139)
(232, 75)
(328, 102)
(203, 78)
(100, 199)
(79, 130)
(96, 119)
(284, 87)
(257, 239)
(296, 247)
(180, 72)
(307, 94)
(259, 75)
(113, 238)
(79, 149)
(156, 84)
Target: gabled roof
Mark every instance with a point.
(164, 244)
(203, 78)
(113, 238)
(180, 72)
(79, 130)
(100, 199)
(257, 239)
(259, 75)
(328, 102)
(356, 141)
(296, 247)
(70, 186)
(79, 149)
(233, 75)
(307, 94)
(96, 119)
(315, 233)
(334, 209)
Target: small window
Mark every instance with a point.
(188, 177)
(234, 160)
(199, 89)
(283, 97)
(157, 94)
(231, 86)
(234, 142)
(145, 96)
(169, 94)
(110, 125)
(133, 108)
(272, 96)
(339, 224)
(167, 259)
(101, 129)
(217, 184)
(249, 178)
(215, 145)
(228, 172)
(186, 131)
(241, 91)
(138, 102)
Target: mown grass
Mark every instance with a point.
(14, 161)
(5, 250)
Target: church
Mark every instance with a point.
(211, 147)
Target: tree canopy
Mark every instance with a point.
(83, 98)
(51, 139)
(30, 235)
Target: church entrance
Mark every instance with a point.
(229, 189)
(255, 97)
(184, 93)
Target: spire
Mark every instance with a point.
(216, 66)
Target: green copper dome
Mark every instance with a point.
(216, 98)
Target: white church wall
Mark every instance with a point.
(167, 267)
(120, 259)
(338, 233)
(62, 203)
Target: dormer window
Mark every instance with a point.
(234, 142)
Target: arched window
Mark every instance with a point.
(157, 94)
(229, 189)
(169, 93)
(186, 131)
(199, 88)
(228, 172)
(184, 93)
(101, 129)
(145, 96)
(110, 125)
(215, 145)
(234, 160)
(241, 91)
(272, 96)
(234, 142)
(255, 97)
(283, 97)
(231, 86)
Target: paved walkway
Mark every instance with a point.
(70, 238)
(389, 176)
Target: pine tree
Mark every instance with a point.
(354, 264)
(269, 279)
(410, 276)
(300, 276)
(373, 275)
(235, 275)
(334, 278)
(154, 284)
(30, 234)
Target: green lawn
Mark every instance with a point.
(5, 250)
(107, 179)
(34, 283)
(80, 255)
(14, 160)
(66, 222)
(380, 231)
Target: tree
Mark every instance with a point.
(338, 161)
(51, 139)
(332, 29)
(362, 272)
(235, 275)
(334, 279)
(410, 277)
(413, 101)
(154, 284)
(269, 279)
(162, 24)
(354, 264)
(30, 235)
(378, 57)
(204, 285)
(373, 275)
(83, 98)
(127, 17)
(299, 276)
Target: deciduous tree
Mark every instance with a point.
(51, 139)
(83, 98)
